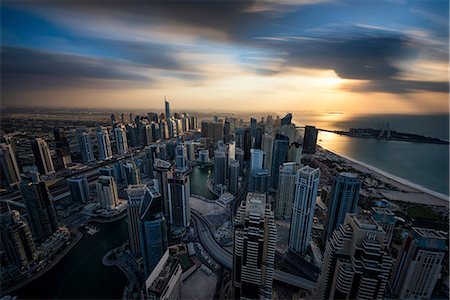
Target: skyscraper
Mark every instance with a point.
(40, 208)
(234, 176)
(279, 156)
(136, 194)
(356, 264)
(256, 159)
(167, 106)
(120, 135)
(84, 141)
(286, 189)
(108, 196)
(104, 143)
(259, 181)
(131, 173)
(180, 158)
(254, 249)
(344, 199)
(162, 168)
(287, 119)
(306, 185)
(17, 240)
(386, 219)
(42, 156)
(179, 194)
(267, 147)
(79, 189)
(419, 263)
(310, 140)
(62, 148)
(220, 167)
(9, 168)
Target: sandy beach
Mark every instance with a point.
(407, 191)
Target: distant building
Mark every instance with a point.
(256, 159)
(164, 282)
(120, 135)
(84, 141)
(254, 249)
(62, 148)
(386, 219)
(181, 158)
(286, 120)
(344, 199)
(131, 173)
(167, 110)
(233, 181)
(267, 147)
(212, 130)
(79, 189)
(259, 181)
(9, 167)
(310, 140)
(108, 196)
(104, 143)
(286, 189)
(40, 208)
(356, 263)
(306, 185)
(17, 240)
(279, 156)
(42, 156)
(220, 167)
(419, 264)
(203, 156)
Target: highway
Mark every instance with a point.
(225, 258)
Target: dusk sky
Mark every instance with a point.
(277, 55)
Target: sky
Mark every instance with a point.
(319, 56)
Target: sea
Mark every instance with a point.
(426, 165)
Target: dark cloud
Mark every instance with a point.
(398, 86)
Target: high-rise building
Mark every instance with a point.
(356, 263)
(279, 156)
(386, 219)
(167, 106)
(295, 153)
(306, 185)
(344, 199)
(62, 148)
(108, 196)
(254, 249)
(179, 194)
(79, 189)
(42, 156)
(180, 158)
(9, 168)
(120, 135)
(41, 210)
(256, 159)
(267, 147)
(240, 159)
(310, 140)
(151, 153)
(203, 156)
(162, 168)
(234, 177)
(104, 143)
(131, 173)
(84, 141)
(165, 281)
(190, 150)
(259, 181)
(220, 167)
(10, 140)
(286, 189)
(286, 120)
(153, 230)
(212, 130)
(419, 263)
(16, 239)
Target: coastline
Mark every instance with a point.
(433, 197)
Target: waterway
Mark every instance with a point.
(81, 274)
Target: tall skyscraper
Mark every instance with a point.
(120, 135)
(131, 173)
(310, 140)
(356, 264)
(9, 168)
(306, 185)
(162, 168)
(234, 177)
(344, 199)
(386, 219)
(41, 210)
(180, 158)
(42, 156)
(62, 148)
(167, 106)
(240, 158)
(179, 194)
(419, 263)
(104, 143)
(286, 189)
(10, 140)
(220, 167)
(259, 181)
(165, 280)
(16, 239)
(153, 230)
(279, 156)
(79, 189)
(84, 141)
(267, 147)
(254, 249)
(151, 153)
(286, 120)
(256, 159)
(107, 193)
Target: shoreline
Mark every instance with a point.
(400, 181)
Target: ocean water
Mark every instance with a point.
(424, 164)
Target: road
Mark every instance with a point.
(225, 258)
